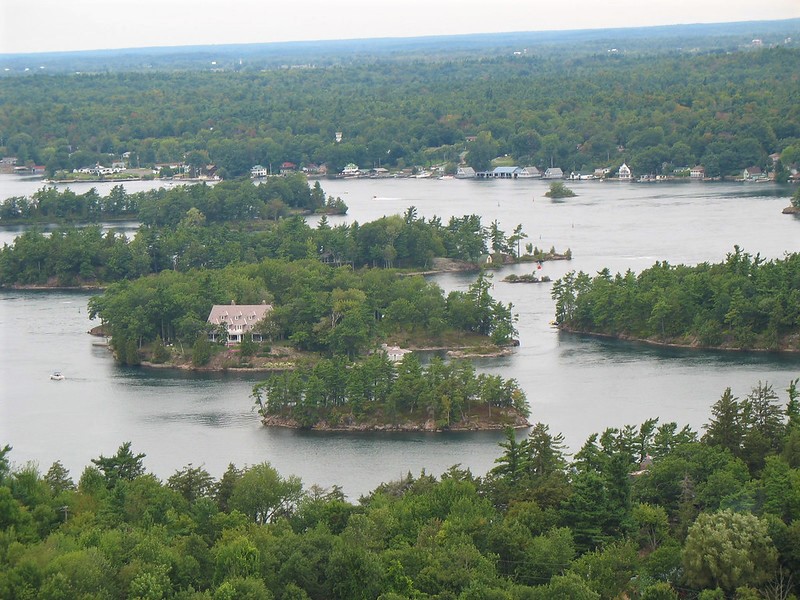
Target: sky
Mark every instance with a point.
(64, 25)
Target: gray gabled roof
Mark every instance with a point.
(244, 314)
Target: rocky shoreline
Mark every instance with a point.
(511, 419)
(661, 344)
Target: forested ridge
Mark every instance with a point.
(651, 512)
(657, 112)
(745, 302)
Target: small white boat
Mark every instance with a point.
(57, 376)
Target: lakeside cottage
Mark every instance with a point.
(624, 173)
(394, 353)
(554, 173)
(237, 320)
(258, 171)
(529, 172)
(465, 173)
(753, 174)
(350, 170)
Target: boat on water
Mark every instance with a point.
(57, 376)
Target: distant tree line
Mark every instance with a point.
(654, 511)
(227, 201)
(658, 112)
(744, 302)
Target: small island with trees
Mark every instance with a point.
(559, 190)
(377, 394)
(526, 278)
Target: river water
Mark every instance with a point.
(576, 385)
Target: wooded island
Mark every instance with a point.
(743, 303)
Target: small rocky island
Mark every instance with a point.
(526, 278)
(378, 394)
(559, 190)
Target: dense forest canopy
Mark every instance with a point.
(658, 112)
(744, 302)
(653, 512)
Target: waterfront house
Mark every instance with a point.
(505, 172)
(288, 167)
(753, 174)
(529, 172)
(554, 173)
(624, 173)
(698, 172)
(601, 172)
(314, 169)
(394, 353)
(237, 320)
(465, 173)
(351, 170)
(258, 171)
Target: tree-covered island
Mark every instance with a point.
(743, 303)
(317, 308)
(376, 394)
(558, 190)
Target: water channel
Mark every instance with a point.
(576, 385)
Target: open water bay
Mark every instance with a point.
(575, 385)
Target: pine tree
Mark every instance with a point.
(726, 428)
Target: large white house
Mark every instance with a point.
(258, 171)
(351, 170)
(238, 320)
(624, 173)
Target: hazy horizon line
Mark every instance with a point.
(391, 37)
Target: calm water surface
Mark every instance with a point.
(576, 385)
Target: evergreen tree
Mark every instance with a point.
(725, 428)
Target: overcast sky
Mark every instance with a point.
(57, 25)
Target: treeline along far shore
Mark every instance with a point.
(726, 110)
